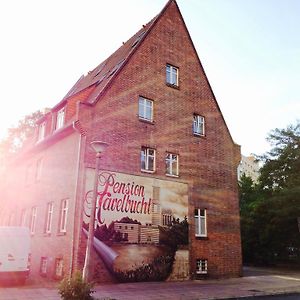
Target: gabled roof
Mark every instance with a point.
(104, 73)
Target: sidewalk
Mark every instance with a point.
(268, 282)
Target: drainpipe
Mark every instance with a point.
(77, 194)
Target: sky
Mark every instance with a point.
(250, 51)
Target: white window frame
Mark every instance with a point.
(43, 265)
(200, 222)
(41, 131)
(171, 160)
(49, 216)
(199, 125)
(201, 266)
(63, 216)
(38, 170)
(33, 219)
(23, 218)
(172, 75)
(60, 118)
(59, 267)
(147, 156)
(29, 174)
(145, 105)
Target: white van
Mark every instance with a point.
(14, 254)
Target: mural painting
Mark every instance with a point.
(141, 223)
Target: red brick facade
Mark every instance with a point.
(207, 163)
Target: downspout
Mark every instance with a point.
(77, 193)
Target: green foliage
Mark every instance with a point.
(282, 164)
(176, 234)
(18, 135)
(269, 209)
(158, 270)
(75, 288)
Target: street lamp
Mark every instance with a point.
(99, 147)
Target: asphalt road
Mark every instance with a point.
(277, 297)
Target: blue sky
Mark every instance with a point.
(250, 51)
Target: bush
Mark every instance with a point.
(158, 270)
(75, 288)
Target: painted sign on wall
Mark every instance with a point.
(140, 223)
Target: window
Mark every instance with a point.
(33, 219)
(145, 109)
(167, 219)
(29, 174)
(172, 164)
(59, 266)
(38, 170)
(41, 131)
(60, 118)
(11, 219)
(63, 216)
(172, 75)
(23, 218)
(147, 159)
(201, 267)
(198, 125)
(200, 222)
(43, 265)
(49, 215)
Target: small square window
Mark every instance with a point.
(172, 75)
(172, 164)
(145, 109)
(148, 159)
(199, 125)
(59, 266)
(201, 266)
(43, 265)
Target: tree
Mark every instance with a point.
(269, 210)
(282, 164)
(17, 136)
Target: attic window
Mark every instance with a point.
(116, 67)
(41, 131)
(100, 68)
(138, 39)
(113, 71)
(60, 118)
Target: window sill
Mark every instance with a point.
(201, 272)
(200, 276)
(62, 233)
(47, 234)
(146, 121)
(171, 175)
(199, 135)
(201, 237)
(147, 171)
(174, 86)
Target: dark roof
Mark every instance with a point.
(103, 74)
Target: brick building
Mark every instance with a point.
(170, 161)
